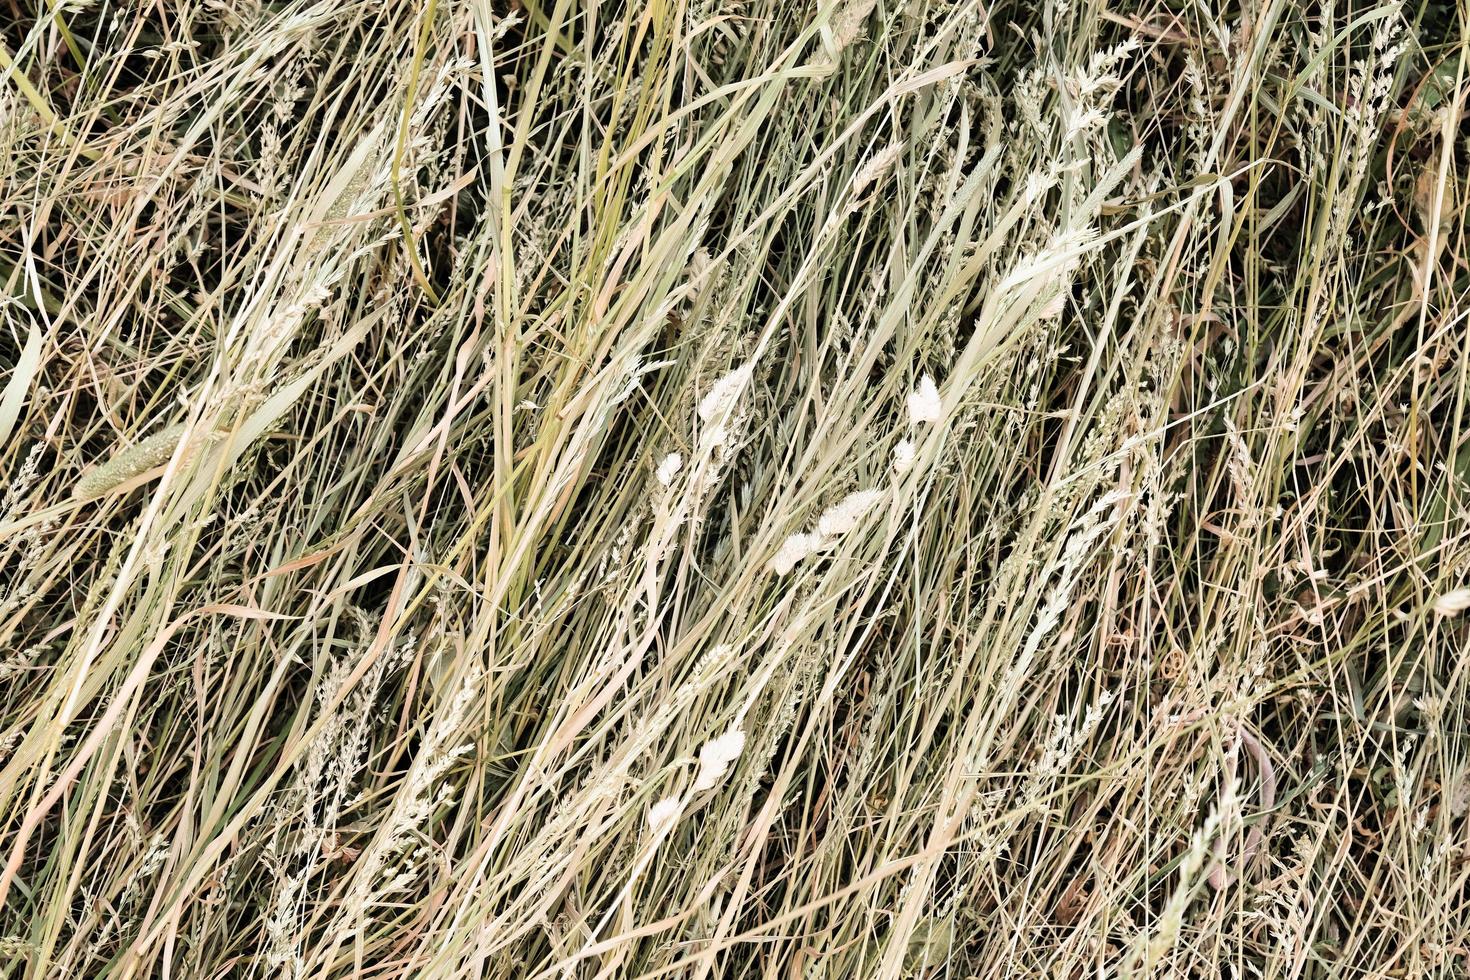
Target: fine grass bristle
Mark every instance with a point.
(778, 489)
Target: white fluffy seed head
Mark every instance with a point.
(794, 549)
(716, 405)
(668, 468)
(1453, 603)
(664, 812)
(844, 515)
(715, 757)
(713, 438)
(1055, 306)
(903, 457)
(923, 402)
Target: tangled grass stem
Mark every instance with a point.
(734, 488)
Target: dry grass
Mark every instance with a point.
(734, 488)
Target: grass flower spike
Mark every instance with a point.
(716, 756)
(923, 402)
